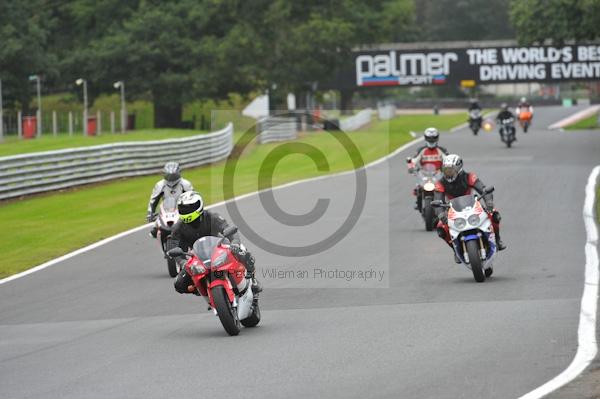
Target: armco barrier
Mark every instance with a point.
(53, 170)
(277, 128)
(356, 121)
(386, 112)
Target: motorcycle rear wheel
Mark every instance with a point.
(475, 261)
(227, 314)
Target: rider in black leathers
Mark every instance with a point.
(195, 223)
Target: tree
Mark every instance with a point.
(444, 20)
(24, 51)
(556, 20)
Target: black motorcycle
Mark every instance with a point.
(508, 131)
(475, 120)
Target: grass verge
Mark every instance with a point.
(585, 124)
(75, 218)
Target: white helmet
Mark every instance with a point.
(190, 206)
(523, 100)
(452, 166)
(432, 137)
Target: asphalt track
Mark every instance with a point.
(108, 323)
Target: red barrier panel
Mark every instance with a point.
(91, 126)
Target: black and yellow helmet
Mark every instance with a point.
(190, 206)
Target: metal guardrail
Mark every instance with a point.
(356, 121)
(386, 112)
(277, 128)
(54, 170)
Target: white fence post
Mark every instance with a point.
(20, 124)
(70, 123)
(112, 122)
(54, 127)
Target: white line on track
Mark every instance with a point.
(587, 346)
(135, 229)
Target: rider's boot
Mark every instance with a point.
(456, 258)
(501, 246)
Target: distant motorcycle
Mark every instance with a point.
(508, 131)
(426, 176)
(217, 273)
(472, 233)
(167, 217)
(525, 118)
(475, 120)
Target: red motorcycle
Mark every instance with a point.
(217, 273)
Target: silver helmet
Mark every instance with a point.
(432, 137)
(172, 174)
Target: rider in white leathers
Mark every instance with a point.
(173, 185)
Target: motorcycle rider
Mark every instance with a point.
(430, 153)
(172, 185)
(505, 114)
(473, 105)
(195, 222)
(524, 106)
(455, 182)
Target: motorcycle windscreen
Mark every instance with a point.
(169, 203)
(460, 203)
(204, 247)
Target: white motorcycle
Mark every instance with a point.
(472, 233)
(427, 176)
(167, 217)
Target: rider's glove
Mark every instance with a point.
(150, 217)
(235, 249)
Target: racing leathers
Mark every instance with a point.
(184, 235)
(464, 184)
(162, 190)
(424, 156)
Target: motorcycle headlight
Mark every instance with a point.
(460, 223)
(429, 186)
(220, 260)
(474, 220)
(198, 268)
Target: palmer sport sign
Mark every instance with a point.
(481, 65)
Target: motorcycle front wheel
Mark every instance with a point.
(227, 314)
(475, 261)
(171, 264)
(428, 214)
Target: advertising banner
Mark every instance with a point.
(469, 66)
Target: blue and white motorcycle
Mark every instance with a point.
(472, 233)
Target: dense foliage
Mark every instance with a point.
(180, 51)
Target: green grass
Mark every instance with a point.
(48, 226)
(12, 145)
(585, 124)
(598, 202)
